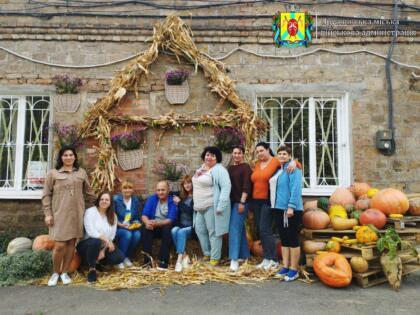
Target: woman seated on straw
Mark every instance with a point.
(100, 228)
(127, 208)
(183, 231)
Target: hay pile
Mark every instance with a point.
(198, 273)
(175, 36)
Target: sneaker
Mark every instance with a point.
(206, 258)
(186, 262)
(282, 273)
(178, 267)
(127, 262)
(262, 264)
(162, 265)
(291, 275)
(213, 262)
(120, 266)
(91, 277)
(234, 265)
(65, 278)
(52, 282)
(272, 265)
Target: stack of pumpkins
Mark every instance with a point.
(41, 242)
(359, 207)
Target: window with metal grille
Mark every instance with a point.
(316, 129)
(24, 145)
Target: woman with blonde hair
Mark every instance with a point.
(184, 230)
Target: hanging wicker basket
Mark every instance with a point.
(130, 159)
(174, 185)
(177, 94)
(226, 159)
(66, 103)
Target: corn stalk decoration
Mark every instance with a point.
(175, 36)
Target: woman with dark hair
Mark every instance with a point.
(264, 169)
(63, 200)
(211, 204)
(240, 177)
(184, 230)
(97, 245)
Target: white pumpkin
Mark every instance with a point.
(18, 245)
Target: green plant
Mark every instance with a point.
(390, 242)
(177, 76)
(227, 138)
(169, 170)
(130, 140)
(65, 84)
(67, 135)
(24, 266)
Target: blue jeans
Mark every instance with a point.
(268, 241)
(238, 244)
(180, 236)
(128, 241)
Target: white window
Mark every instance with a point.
(24, 145)
(316, 128)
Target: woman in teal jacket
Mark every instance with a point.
(211, 196)
(286, 201)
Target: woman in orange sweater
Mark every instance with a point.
(264, 169)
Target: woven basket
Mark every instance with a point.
(177, 94)
(66, 103)
(226, 159)
(174, 185)
(130, 159)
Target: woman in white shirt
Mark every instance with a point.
(100, 228)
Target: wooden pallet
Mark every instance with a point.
(405, 222)
(376, 276)
(324, 235)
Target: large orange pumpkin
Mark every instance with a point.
(315, 219)
(342, 196)
(373, 216)
(75, 262)
(333, 269)
(359, 189)
(390, 201)
(366, 235)
(312, 204)
(362, 203)
(43, 242)
(414, 208)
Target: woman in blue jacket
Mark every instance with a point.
(286, 201)
(127, 208)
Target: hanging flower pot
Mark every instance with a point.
(66, 103)
(130, 159)
(177, 89)
(174, 185)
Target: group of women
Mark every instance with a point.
(213, 202)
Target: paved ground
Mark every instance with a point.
(270, 298)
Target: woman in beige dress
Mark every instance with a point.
(63, 201)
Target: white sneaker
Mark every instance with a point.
(264, 263)
(127, 262)
(272, 265)
(234, 265)
(65, 278)
(120, 266)
(52, 282)
(178, 267)
(186, 262)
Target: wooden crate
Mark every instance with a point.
(405, 222)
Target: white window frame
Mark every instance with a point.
(17, 192)
(344, 168)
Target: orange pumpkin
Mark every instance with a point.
(257, 249)
(342, 196)
(75, 262)
(333, 269)
(312, 204)
(43, 242)
(315, 219)
(390, 201)
(362, 204)
(373, 216)
(414, 208)
(359, 189)
(365, 234)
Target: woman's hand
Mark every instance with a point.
(290, 212)
(291, 167)
(101, 255)
(241, 208)
(176, 199)
(111, 246)
(49, 220)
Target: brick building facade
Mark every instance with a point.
(351, 87)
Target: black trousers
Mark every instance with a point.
(164, 233)
(89, 250)
(289, 235)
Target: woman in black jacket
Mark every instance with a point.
(184, 230)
